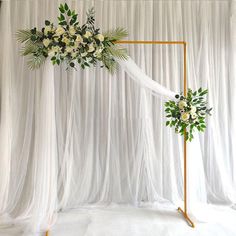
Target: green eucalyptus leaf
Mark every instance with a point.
(33, 37)
(47, 22)
(62, 17)
(72, 22)
(72, 64)
(74, 18)
(66, 7)
(62, 9)
(203, 92)
(33, 31)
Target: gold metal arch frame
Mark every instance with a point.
(184, 44)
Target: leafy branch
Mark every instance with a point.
(72, 42)
(188, 113)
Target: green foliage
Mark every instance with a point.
(72, 42)
(118, 52)
(34, 62)
(90, 19)
(31, 48)
(110, 64)
(116, 34)
(23, 35)
(188, 113)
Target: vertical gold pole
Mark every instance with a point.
(185, 173)
(185, 142)
(47, 233)
(185, 212)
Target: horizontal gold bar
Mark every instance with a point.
(149, 42)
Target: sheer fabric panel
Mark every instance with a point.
(70, 138)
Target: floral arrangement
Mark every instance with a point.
(188, 113)
(72, 42)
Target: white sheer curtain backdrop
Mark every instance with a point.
(82, 137)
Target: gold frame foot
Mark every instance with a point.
(47, 233)
(185, 215)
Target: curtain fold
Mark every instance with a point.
(70, 138)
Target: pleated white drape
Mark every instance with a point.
(72, 138)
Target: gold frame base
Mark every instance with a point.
(185, 215)
(188, 220)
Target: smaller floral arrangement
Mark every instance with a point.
(72, 42)
(188, 113)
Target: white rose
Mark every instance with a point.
(100, 50)
(193, 109)
(60, 30)
(63, 54)
(79, 39)
(76, 45)
(87, 34)
(69, 49)
(91, 48)
(56, 49)
(46, 42)
(182, 104)
(72, 30)
(88, 59)
(51, 53)
(193, 115)
(65, 40)
(74, 54)
(97, 54)
(55, 39)
(47, 29)
(100, 37)
(185, 116)
(84, 54)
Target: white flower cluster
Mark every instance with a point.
(188, 112)
(72, 42)
(69, 43)
(185, 116)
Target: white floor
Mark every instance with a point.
(132, 221)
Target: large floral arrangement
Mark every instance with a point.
(188, 113)
(72, 42)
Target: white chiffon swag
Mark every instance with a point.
(73, 138)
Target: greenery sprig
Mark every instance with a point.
(72, 42)
(188, 113)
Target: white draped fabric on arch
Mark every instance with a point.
(73, 138)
